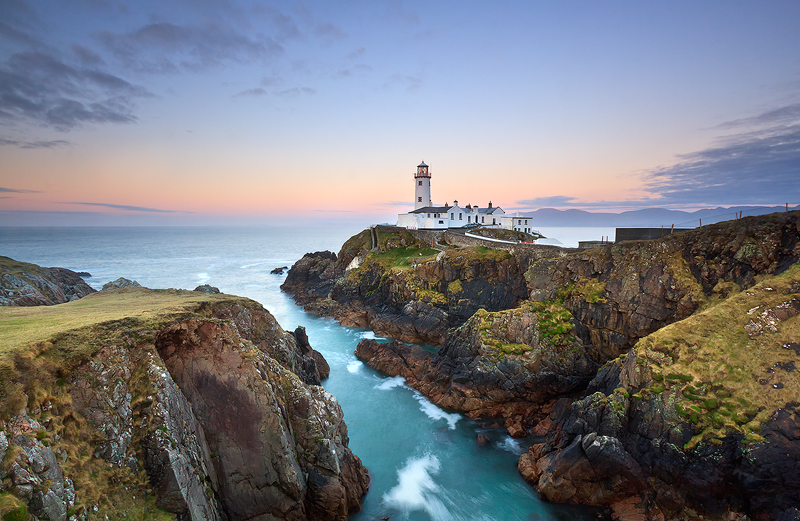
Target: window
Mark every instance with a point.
(469, 218)
(441, 222)
(420, 183)
(526, 221)
(452, 216)
(494, 221)
(459, 217)
(429, 216)
(482, 220)
(419, 199)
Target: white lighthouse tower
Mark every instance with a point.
(422, 186)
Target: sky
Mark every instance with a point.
(225, 112)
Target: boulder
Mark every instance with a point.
(120, 283)
(24, 284)
(206, 288)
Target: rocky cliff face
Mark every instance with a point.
(700, 416)
(24, 284)
(496, 364)
(204, 412)
(405, 290)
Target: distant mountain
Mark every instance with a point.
(650, 217)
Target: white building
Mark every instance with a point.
(427, 215)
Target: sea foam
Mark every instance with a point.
(416, 489)
(391, 383)
(355, 366)
(435, 413)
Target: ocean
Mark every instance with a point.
(425, 462)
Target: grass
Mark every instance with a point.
(21, 326)
(403, 257)
(725, 381)
(42, 345)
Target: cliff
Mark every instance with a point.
(403, 288)
(700, 415)
(164, 403)
(24, 284)
(567, 358)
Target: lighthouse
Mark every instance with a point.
(422, 186)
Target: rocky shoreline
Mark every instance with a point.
(563, 346)
(184, 403)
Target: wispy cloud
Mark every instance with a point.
(330, 32)
(126, 207)
(759, 165)
(393, 203)
(356, 70)
(35, 144)
(249, 93)
(18, 191)
(295, 92)
(38, 87)
(165, 47)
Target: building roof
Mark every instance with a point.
(487, 210)
(432, 209)
(421, 164)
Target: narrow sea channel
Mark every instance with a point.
(425, 462)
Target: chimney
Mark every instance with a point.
(490, 204)
(455, 203)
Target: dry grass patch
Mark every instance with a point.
(729, 378)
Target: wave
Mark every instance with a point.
(416, 489)
(354, 366)
(391, 383)
(435, 413)
(509, 444)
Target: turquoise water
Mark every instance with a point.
(424, 462)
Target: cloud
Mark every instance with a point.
(35, 144)
(330, 33)
(165, 47)
(126, 207)
(251, 93)
(410, 83)
(87, 56)
(295, 92)
(357, 54)
(785, 114)
(355, 70)
(757, 167)
(15, 191)
(37, 87)
(394, 203)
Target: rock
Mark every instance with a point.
(543, 427)
(482, 439)
(120, 283)
(279, 271)
(84, 274)
(514, 428)
(37, 476)
(263, 466)
(24, 284)
(223, 430)
(417, 305)
(205, 288)
(3, 445)
(472, 372)
(790, 514)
